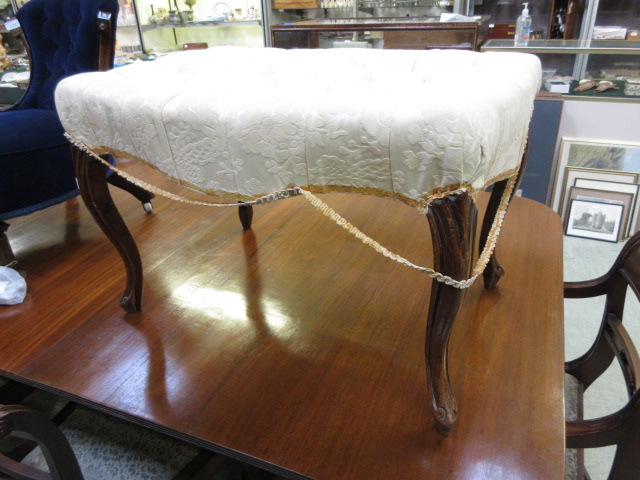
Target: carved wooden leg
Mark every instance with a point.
(453, 225)
(7, 258)
(246, 216)
(94, 190)
(494, 272)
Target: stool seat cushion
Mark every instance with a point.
(247, 122)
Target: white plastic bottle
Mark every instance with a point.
(523, 27)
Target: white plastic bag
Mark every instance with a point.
(13, 287)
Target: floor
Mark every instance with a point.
(585, 259)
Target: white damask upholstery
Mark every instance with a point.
(246, 122)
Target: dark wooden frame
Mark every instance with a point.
(620, 428)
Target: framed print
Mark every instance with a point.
(594, 155)
(619, 187)
(625, 199)
(596, 220)
(573, 173)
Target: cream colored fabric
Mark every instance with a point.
(248, 122)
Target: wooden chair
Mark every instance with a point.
(620, 428)
(78, 443)
(25, 423)
(63, 38)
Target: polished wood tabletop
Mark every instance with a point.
(292, 346)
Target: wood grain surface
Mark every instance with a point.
(292, 346)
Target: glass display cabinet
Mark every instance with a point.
(390, 33)
(599, 41)
(412, 24)
(14, 65)
(567, 63)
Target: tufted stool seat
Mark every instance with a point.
(248, 122)
(431, 129)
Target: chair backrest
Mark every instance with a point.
(63, 40)
(620, 428)
(26, 423)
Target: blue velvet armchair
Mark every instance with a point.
(64, 37)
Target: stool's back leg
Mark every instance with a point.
(453, 225)
(92, 180)
(494, 272)
(245, 212)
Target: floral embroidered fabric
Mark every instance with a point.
(246, 122)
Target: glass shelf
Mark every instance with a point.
(606, 47)
(204, 23)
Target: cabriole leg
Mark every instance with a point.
(453, 224)
(92, 179)
(245, 212)
(494, 272)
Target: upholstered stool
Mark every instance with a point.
(430, 129)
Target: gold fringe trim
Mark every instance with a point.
(423, 206)
(481, 264)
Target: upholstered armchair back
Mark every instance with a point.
(62, 38)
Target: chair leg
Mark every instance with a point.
(7, 258)
(138, 192)
(453, 224)
(92, 178)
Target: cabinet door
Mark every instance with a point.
(172, 24)
(504, 15)
(426, 39)
(128, 34)
(614, 21)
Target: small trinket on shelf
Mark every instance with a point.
(188, 15)
(4, 61)
(160, 17)
(632, 87)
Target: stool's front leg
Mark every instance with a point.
(453, 225)
(92, 180)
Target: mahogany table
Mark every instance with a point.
(294, 348)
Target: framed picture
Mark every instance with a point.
(571, 174)
(593, 155)
(610, 187)
(625, 199)
(596, 220)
